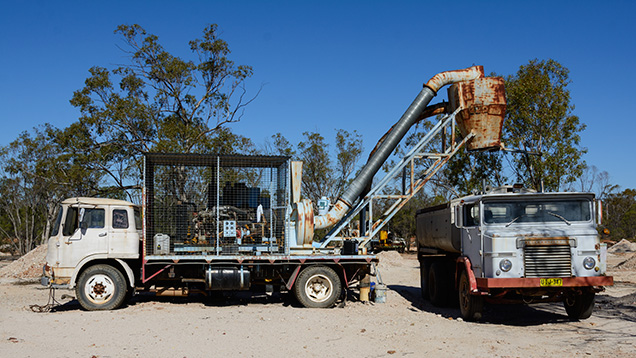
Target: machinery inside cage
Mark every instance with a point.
(203, 204)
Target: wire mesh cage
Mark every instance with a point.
(215, 204)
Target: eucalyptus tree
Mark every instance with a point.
(159, 102)
(540, 120)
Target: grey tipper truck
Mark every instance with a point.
(513, 245)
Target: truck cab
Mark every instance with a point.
(527, 235)
(89, 232)
(512, 244)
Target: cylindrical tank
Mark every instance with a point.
(483, 103)
(434, 229)
(227, 278)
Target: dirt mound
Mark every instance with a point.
(629, 264)
(27, 266)
(390, 259)
(622, 247)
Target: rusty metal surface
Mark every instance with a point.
(483, 107)
(433, 110)
(443, 78)
(485, 283)
(333, 216)
(296, 180)
(304, 215)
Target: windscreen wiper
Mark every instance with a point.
(559, 216)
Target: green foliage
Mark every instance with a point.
(619, 214)
(36, 176)
(402, 224)
(467, 172)
(159, 103)
(323, 174)
(539, 119)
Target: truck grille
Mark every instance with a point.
(548, 261)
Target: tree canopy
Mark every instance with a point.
(620, 214)
(324, 173)
(539, 119)
(158, 102)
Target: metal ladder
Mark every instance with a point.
(415, 185)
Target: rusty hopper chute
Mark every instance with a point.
(410, 117)
(482, 104)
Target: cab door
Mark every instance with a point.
(472, 236)
(123, 235)
(83, 234)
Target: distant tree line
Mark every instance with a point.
(160, 102)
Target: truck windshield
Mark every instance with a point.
(534, 211)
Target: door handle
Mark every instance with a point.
(102, 234)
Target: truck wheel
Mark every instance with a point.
(101, 287)
(317, 287)
(437, 284)
(471, 306)
(579, 306)
(424, 268)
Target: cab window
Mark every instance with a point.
(94, 219)
(471, 214)
(120, 219)
(138, 224)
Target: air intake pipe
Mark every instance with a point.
(410, 117)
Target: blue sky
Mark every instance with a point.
(324, 65)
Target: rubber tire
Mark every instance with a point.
(118, 282)
(425, 266)
(314, 272)
(471, 306)
(580, 307)
(438, 285)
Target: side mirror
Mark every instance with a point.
(599, 212)
(82, 224)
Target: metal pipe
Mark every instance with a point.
(412, 114)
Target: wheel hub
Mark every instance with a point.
(318, 288)
(99, 288)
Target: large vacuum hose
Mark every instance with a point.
(412, 114)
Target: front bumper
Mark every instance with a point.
(47, 281)
(592, 281)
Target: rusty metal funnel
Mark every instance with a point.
(483, 103)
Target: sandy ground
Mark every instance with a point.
(257, 325)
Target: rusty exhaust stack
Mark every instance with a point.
(412, 114)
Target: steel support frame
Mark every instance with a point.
(415, 185)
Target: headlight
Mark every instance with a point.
(505, 265)
(589, 263)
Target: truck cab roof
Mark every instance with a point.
(96, 201)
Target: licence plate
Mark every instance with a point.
(551, 282)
